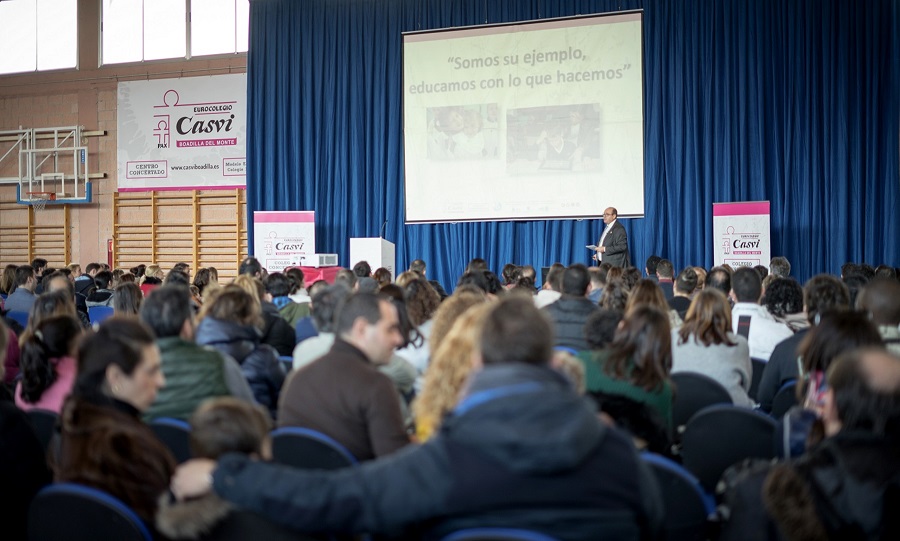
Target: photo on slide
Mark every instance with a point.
(463, 132)
(554, 138)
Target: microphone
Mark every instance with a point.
(382, 228)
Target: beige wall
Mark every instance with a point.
(85, 97)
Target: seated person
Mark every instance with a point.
(219, 426)
(48, 363)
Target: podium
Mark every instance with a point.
(377, 251)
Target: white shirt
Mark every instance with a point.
(765, 331)
(605, 231)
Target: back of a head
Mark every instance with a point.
(421, 300)
(652, 263)
(477, 264)
(600, 327)
(91, 267)
(762, 271)
(686, 282)
(614, 296)
(644, 340)
(784, 296)
(355, 306)
(362, 269)
(780, 266)
(166, 310)
(346, 278)
(229, 425)
(665, 269)
(823, 293)
(885, 271)
(233, 304)
(575, 280)
(510, 274)
(515, 330)
(58, 281)
(555, 276)
(881, 299)
(53, 303)
(866, 386)
(325, 303)
(23, 274)
(119, 341)
(646, 292)
(478, 279)
(418, 265)
(708, 319)
(720, 279)
(837, 332)
(176, 277)
(450, 310)
(251, 266)
(297, 278)
(630, 277)
(103, 279)
(52, 339)
(278, 285)
(747, 285)
(383, 276)
(127, 299)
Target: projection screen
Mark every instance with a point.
(525, 121)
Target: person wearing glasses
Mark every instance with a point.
(612, 247)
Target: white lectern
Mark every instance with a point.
(376, 251)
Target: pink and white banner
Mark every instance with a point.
(182, 134)
(741, 233)
(283, 239)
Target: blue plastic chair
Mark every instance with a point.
(73, 512)
(19, 317)
(309, 449)
(175, 434)
(785, 399)
(98, 314)
(688, 506)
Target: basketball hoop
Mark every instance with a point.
(38, 200)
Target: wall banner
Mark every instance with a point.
(182, 134)
(741, 234)
(284, 239)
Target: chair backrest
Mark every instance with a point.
(785, 399)
(719, 436)
(99, 313)
(758, 366)
(496, 534)
(44, 424)
(287, 363)
(175, 434)
(693, 392)
(72, 512)
(19, 317)
(688, 506)
(309, 449)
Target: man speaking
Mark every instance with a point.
(613, 244)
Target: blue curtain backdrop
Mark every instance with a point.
(791, 101)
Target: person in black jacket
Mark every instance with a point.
(230, 325)
(570, 312)
(522, 449)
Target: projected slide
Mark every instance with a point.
(538, 120)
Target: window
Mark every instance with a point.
(38, 35)
(137, 30)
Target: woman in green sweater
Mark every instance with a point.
(635, 369)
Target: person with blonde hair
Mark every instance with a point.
(705, 344)
(276, 331)
(450, 310)
(451, 365)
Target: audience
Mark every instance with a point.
(22, 296)
(276, 332)
(784, 301)
(647, 292)
(881, 300)
(521, 450)
(127, 299)
(683, 291)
